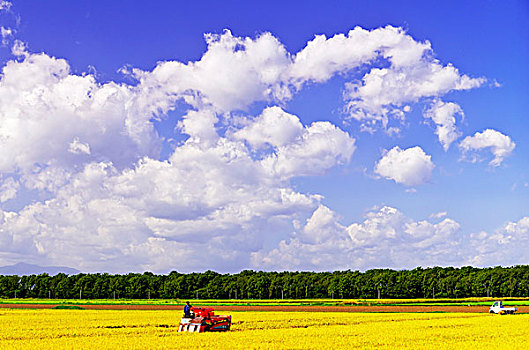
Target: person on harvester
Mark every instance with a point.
(187, 310)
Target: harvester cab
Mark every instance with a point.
(204, 320)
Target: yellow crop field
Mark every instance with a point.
(266, 302)
(126, 329)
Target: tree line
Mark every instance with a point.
(436, 282)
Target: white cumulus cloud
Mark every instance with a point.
(320, 146)
(410, 166)
(443, 114)
(237, 71)
(499, 144)
(8, 189)
(44, 109)
(210, 204)
(386, 238)
(233, 73)
(223, 197)
(78, 147)
(5, 5)
(274, 127)
(413, 74)
(505, 246)
(5, 33)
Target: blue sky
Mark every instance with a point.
(132, 142)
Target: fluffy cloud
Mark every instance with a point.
(384, 92)
(235, 72)
(5, 5)
(410, 166)
(499, 144)
(5, 33)
(77, 147)
(200, 209)
(53, 118)
(212, 203)
(386, 238)
(41, 101)
(320, 147)
(93, 149)
(273, 127)
(223, 198)
(443, 114)
(232, 74)
(8, 189)
(324, 57)
(505, 246)
(413, 74)
(296, 150)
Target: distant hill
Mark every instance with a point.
(21, 269)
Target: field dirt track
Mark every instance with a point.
(388, 308)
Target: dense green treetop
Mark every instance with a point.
(436, 282)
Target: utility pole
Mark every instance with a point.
(49, 294)
(149, 294)
(196, 295)
(282, 294)
(114, 295)
(80, 294)
(235, 293)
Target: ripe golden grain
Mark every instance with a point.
(105, 329)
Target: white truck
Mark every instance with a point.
(498, 308)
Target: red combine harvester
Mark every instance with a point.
(204, 320)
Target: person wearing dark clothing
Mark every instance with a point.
(187, 310)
